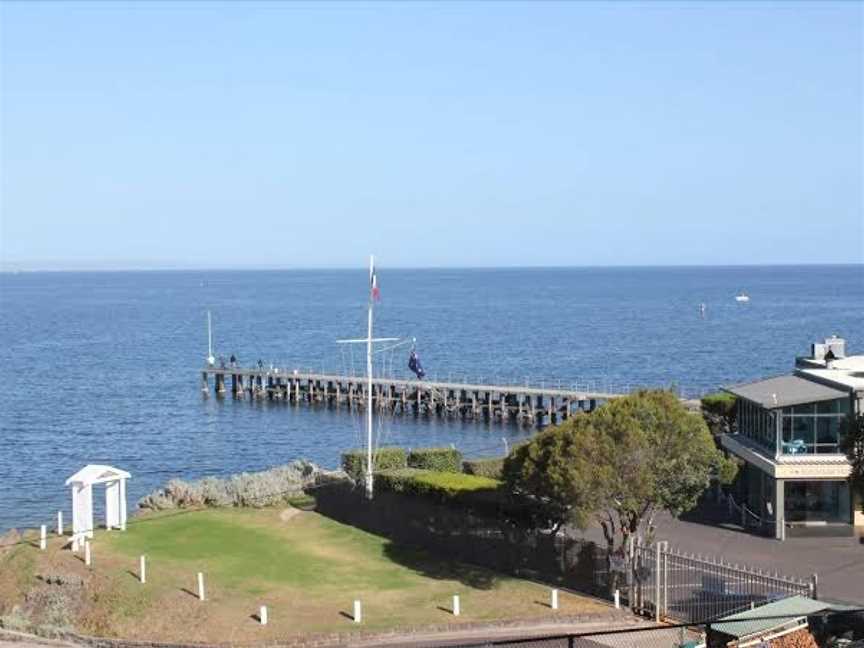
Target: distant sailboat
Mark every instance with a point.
(702, 309)
(742, 297)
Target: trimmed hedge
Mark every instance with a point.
(720, 403)
(447, 484)
(459, 491)
(493, 467)
(354, 461)
(448, 460)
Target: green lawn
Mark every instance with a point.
(245, 548)
(306, 568)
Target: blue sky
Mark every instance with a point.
(165, 134)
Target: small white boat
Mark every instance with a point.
(742, 297)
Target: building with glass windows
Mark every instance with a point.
(794, 477)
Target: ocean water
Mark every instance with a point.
(103, 367)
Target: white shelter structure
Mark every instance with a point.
(82, 484)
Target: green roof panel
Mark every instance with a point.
(769, 616)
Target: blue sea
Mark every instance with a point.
(104, 367)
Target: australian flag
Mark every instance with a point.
(415, 366)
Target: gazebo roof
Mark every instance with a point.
(97, 474)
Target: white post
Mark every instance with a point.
(43, 537)
(142, 569)
(358, 612)
(369, 488)
(200, 586)
(122, 504)
(554, 599)
(456, 605)
(75, 546)
(262, 615)
(617, 599)
(59, 523)
(87, 557)
(657, 584)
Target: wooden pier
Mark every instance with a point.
(504, 403)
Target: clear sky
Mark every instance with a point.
(164, 134)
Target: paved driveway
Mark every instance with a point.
(839, 562)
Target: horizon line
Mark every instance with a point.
(276, 268)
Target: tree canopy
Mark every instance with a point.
(619, 465)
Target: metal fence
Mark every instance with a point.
(663, 583)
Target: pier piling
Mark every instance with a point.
(521, 404)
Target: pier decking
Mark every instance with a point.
(504, 403)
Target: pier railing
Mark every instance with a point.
(590, 385)
(546, 402)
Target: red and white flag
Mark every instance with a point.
(375, 293)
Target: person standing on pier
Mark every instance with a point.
(415, 366)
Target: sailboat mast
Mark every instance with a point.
(210, 359)
(369, 489)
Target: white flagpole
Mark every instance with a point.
(369, 489)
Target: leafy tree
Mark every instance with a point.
(619, 466)
(719, 410)
(853, 445)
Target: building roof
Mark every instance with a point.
(769, 616)
(844, 372)
(783, 391)
(97, 474)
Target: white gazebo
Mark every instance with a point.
(82, 484)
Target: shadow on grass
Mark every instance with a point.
(429, 566)
(345, 614)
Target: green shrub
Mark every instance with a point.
(437, 459)
(720, 403)
(448, 484)
(303, 502)
(354, 461)
(493, 467)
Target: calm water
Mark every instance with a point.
(101, 367)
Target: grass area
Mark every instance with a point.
(306, 568)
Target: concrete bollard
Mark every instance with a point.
(87, 556)
(142, 569)
(43, 537)
(262, 615)
(200, 586)
(59, 523)
(358, 612)
(617, 599)
(456, 609)
(554, 599)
